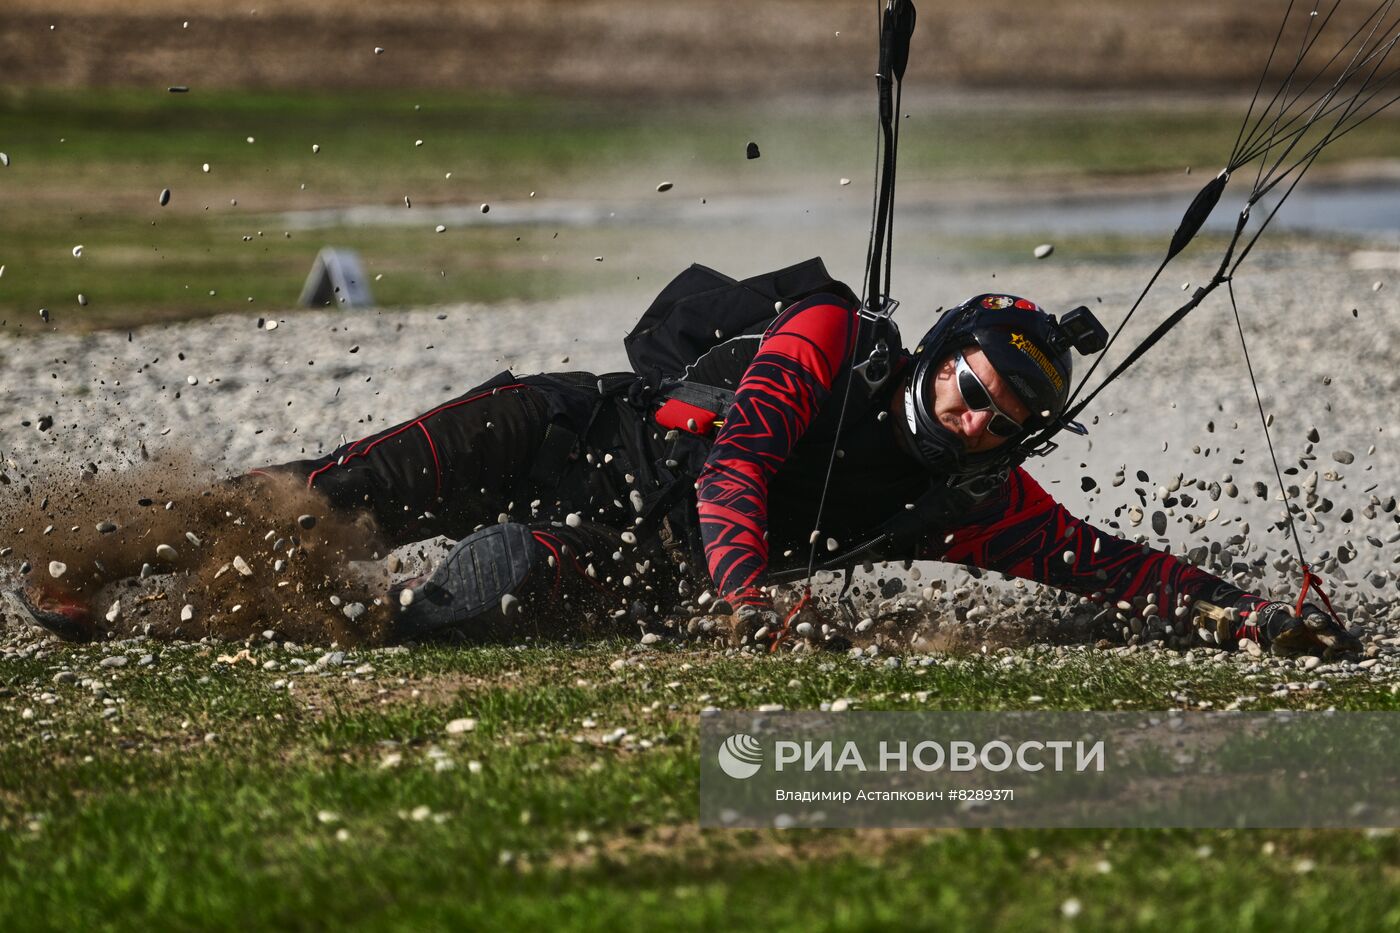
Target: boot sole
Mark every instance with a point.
(472, 580)
(54, 623)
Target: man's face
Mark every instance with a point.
(971, 426)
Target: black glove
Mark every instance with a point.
(755, 624)
(1274, 626)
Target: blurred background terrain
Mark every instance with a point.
(370, 125)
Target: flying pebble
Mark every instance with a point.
(845, 182)
(57, 568)
(1343, 456)
(315, 148)
(664, 186)
(417, 143)
(164, 198)
(378, 50)
(78, 251)
(166, 552)
(82, 299)
(573, 519)
(5, 159)
(486, 208)
(306, 521)
(205, 168)
(1043, 250)
(106, 528)
(440, 228)
(242, 567)
(751, 151)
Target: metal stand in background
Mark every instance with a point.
(336, 278)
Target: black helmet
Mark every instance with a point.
(1027, 347)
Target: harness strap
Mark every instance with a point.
(787, 622)
(1311, 580)
(700, 395)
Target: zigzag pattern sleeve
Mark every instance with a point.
(1027, 534)
(784, 387)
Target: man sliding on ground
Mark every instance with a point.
(571, 493)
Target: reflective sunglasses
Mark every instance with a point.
(976, 397)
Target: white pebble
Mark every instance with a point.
(1043, 250)
(57, 568)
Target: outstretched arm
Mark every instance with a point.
(1026, 533)
(781, 392)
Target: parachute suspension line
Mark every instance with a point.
(1259, 141)
(1263, 74)
(1305, 46)
(1275, 130)
(894, 28)
(1324, 106)
(1310, 579)
(1264, 421)
(894, 176)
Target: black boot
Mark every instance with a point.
(483, 578)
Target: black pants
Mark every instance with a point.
(562, 454)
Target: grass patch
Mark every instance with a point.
(344, 802)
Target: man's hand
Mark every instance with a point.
(1274, 627)
(755, 624)
(1315, 632)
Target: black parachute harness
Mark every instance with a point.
(896, 28)
(1285, 137)
(1306, 113)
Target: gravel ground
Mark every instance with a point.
(231, 393)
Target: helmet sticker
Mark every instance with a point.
(997, 302)
(1025, 305)
(1035, 353)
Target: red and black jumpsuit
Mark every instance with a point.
(475, 460)
(757, 496)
